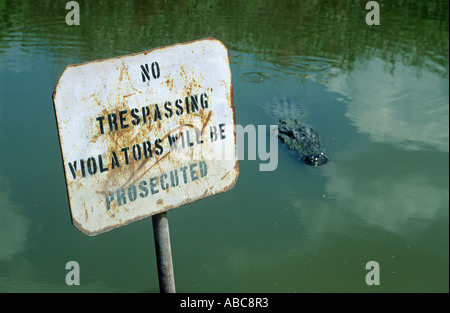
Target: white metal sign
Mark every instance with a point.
(144, 133)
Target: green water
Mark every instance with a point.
(377, 95)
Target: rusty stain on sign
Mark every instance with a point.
(144, 133)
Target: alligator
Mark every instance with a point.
(297, 136)
(304, 140)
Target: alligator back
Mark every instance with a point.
(285, 108)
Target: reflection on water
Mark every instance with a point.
(13, 225)
(378, 97)
(403, 106)
(390, 199)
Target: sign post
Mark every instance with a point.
(163, 253)
(145, 133)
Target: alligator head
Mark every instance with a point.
(304, 141)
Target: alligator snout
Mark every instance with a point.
(316, 159)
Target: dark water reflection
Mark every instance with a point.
(378, 96)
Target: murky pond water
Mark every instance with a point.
(377, 95)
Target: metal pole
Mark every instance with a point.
(163, 253)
